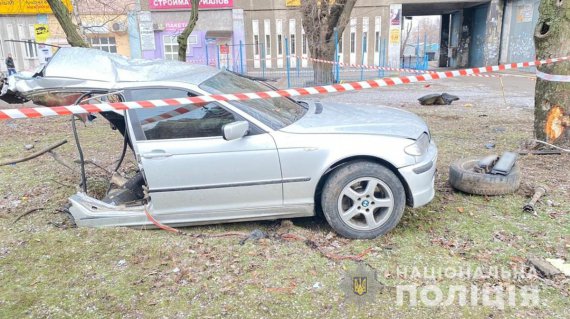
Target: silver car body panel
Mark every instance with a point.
(270, 175)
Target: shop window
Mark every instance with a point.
(170, 47)
(193, 40)
(106, 44)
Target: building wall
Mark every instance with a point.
(216, 28)
(275, 11)
(517, 42)
(101, 29)
(20, 28)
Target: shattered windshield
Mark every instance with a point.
(275, 112)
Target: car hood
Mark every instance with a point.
(331, 118)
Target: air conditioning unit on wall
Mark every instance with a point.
(119, 27)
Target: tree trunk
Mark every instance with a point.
(552, 99)
(63, 16)
(405, 42)
(320, 18)
(183, 37)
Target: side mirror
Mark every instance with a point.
(235, 130)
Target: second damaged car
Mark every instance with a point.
(229, 161)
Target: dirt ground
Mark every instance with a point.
(49, 271)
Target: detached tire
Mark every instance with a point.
(462, 177)
(363, 199)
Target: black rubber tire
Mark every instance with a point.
(349, 172)
(462, 177)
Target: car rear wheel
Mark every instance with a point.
(363, 200)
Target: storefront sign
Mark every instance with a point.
(28, 6)
(41, 32)
(185, 4)
(224, 49)
(395, 35)
(147, 36)
(175, 26)
(292, 3)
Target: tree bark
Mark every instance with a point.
(552, 99)
(405, 42)
(63, 16)
(319, 21)
(183, 37)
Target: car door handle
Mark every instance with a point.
(156, 154)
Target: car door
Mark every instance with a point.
(191, 171)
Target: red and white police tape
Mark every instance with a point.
(34, 112)
(386, 68)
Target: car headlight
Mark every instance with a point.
(419, 147)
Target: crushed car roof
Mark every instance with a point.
(97, 65)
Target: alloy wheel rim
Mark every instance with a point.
(365, 203)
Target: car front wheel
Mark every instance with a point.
(363, 199)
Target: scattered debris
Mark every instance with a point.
(255, 235)
(505, 164)
(317, 285)
(437, 99)
(121, 263)
(545, 268)
(487, 176)
(560, 265)
(28, 146)
(539, 191)
(289, 289)
(543, 152)
(490, 146)
(34, 155)
(26, 213)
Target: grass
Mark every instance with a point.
(99, 273)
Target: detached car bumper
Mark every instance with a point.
(420, 178)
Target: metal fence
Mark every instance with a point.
(291, 70)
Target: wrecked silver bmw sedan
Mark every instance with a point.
(240, 160)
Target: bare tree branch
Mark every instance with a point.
(63, 16)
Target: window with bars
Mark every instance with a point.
(256, 44)
(292, 45)
(365, 42)
(268, 44)
(279, 44)
(170, 47)
(31, 49)
(106, 44)
(304, 40)
(377, 41)
(352, 42)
